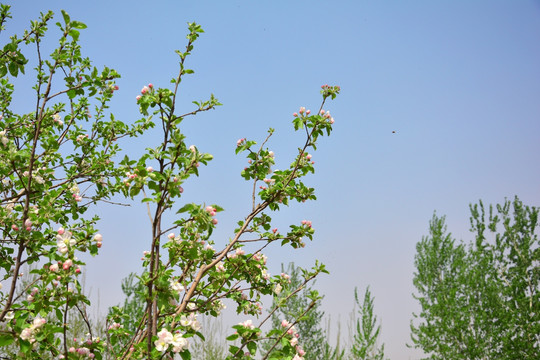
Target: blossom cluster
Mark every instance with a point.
(145, 90)
(28, 333)
(166, 339)
(291, 330)
(248, 324)
(190, 320)
(3, 138)
(85, 348)
(64, 240)
(212, 212)
(176, 286)
(240, 141)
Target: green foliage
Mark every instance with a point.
(480, 301)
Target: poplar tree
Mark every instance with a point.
(480, 300)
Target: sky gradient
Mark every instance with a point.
(440, 107)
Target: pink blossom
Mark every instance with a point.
(306, 222)
(285, 323)
(138, 97)
(220, 267)
(83, 351)
(27, 334)
(15, 227)
(331, 120)
(295, 114)
(98, 238)
(179, 343)
(151, 86)
(60, 231)
(149, 169)
(300, 351)
(53, 267)
(248, 324)
(308, 112)
(240, 141)
(67, 264)
(144, 90)
(214, 221)
(302, 110)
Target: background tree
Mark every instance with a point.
(480, 301)
(366, 337)
(311, 335)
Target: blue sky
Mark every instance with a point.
(458, 82)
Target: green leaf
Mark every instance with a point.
(186, 355)
(71, 93)
(252, 347)
(74, 34)
(6, 339)
(3, 70)
(232, 337)
(24, 345)
(66, 17)
(78, 25)
(186, 208)
(13, 69)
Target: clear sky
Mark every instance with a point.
(458, 82)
